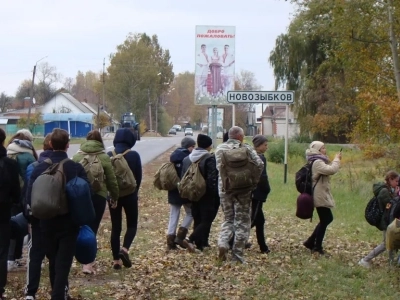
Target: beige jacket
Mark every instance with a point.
(322, 191)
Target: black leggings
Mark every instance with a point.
(130, 205)
(325, 218)
(99, 204)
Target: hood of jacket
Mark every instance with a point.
(197, 154)
(124, 139)
(91, 147)
(44, 155)
(178, 155)
(377, 187)
(20, 146)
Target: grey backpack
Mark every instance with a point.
(48, 197)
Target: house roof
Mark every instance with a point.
(276, 111)
(77, 103)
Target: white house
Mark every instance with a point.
(64, 103)
(273, 121)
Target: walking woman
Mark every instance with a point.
(384, 191)
(321, 171)
(92, 149)
(124, 140)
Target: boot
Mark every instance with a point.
(171, 242)
(182, 232)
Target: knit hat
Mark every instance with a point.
(258, 140)
(26, 133)
(204, 141)
(317, 145)
(187, 142)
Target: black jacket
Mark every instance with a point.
(208, 168)
(71, 169)
(177, 158)
(124, 139)
(263, 189)
(10, 191)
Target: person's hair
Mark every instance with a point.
(22, 136)
(94, 135)
(226, 46)
(235, 132)
(202, 45)
(59, 139)
(390, 176)
(46, 142)
(2, 136)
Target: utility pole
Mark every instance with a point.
(104, 101)
(151, 127)
(31, 92)
(31, 97)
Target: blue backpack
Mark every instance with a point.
(86, 246)
(80, 201)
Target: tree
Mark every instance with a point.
(36, 119)
(102, 120)
(139, 72)
(87, 87)
(5, 102)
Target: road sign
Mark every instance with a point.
(283, 97)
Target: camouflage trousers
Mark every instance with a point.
(237, 222)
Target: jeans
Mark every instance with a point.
(174, 214)
(130, 205)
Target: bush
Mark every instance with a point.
(276, 151)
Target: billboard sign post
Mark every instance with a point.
(214, 64)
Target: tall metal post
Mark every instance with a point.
(150, 120)
(214, 125)
(104, 101)
(31, 97)
(286, 144)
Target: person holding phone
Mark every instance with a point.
(321, 171)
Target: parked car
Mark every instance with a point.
(177, 127)
(172, 131)
(188, 131)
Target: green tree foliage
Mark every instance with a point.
(5, 102)
(36, 119)
(333, 54)
(139, 72)
(101, 121)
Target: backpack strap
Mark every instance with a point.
(126, 151)
(311, 177)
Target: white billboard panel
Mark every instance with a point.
(215, 64)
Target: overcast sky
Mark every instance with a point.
(77, 35)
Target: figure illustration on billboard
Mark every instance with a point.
(214, 72)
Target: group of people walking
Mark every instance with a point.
(55, 238)
(240, 197)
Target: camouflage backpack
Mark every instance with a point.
(238, 171)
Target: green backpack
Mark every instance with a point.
(125, 178)
(94, 170)
(238, 171)
(193, 185)
(166, 177)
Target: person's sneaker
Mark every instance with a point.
(88, 269)
(117, 267)
(30, 298)
(222, 255)
(247, 246)
(124, 256)
(13, 265)
(309, 245)
(364, 263)
(265, 250)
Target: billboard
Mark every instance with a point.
(215, 64)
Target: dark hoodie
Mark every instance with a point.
(125, 139)
(176, 158)
(10, 190)
(384, 195)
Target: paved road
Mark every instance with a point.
(148, 147)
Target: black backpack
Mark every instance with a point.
(373, 212)
(303, 179)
